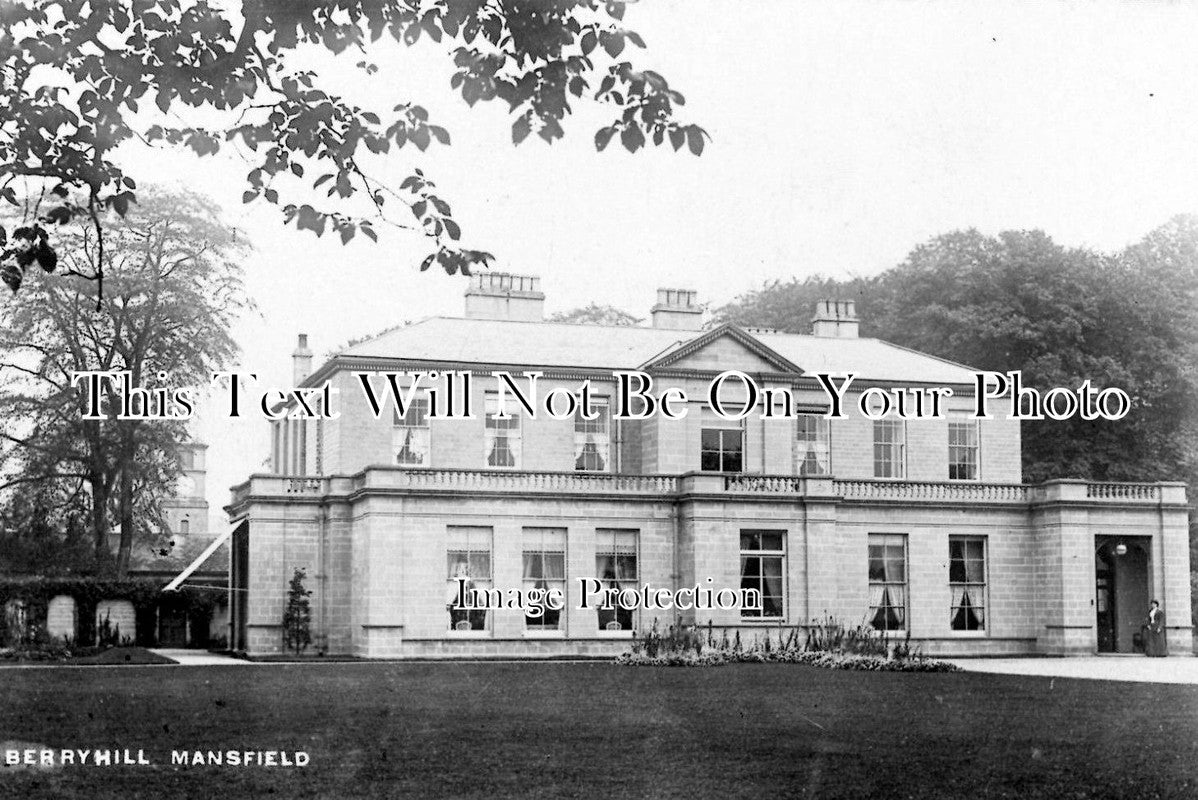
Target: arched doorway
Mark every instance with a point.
(1121, 570)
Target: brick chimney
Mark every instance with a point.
(677, 310)
(836, 319)
(301, 360)
(502, 295)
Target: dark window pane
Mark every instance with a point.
(750, 567)
(627, 567)
(956, 570)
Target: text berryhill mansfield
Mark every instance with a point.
(451, 395)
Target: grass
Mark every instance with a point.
(554, 730)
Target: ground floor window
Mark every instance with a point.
(616, 568)
(888, 581)
(469, 559)
(762, 565)
(545, 569)
(967, 579)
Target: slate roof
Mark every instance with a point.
(554, 344)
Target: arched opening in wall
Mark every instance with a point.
(1122, 591)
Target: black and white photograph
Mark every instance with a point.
(598, 398)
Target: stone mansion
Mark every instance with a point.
(919, 527)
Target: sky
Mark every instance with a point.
(843, 134)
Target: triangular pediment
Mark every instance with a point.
(723, 348)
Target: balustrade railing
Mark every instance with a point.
(665, 485)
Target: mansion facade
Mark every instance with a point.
(919, 527)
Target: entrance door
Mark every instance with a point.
(1121, 592)
(172, 626)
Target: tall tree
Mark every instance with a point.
(174, 290)
(1019, 301)
(77, 77)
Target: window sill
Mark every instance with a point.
(614, 634)
(968, 634)
(559, 634)
(469, 634)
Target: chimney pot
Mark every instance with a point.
(835, 319)
(301, 360)
(503, 295)
(677, 309)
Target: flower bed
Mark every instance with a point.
(824, 644)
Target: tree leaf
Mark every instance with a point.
(521, 128)
(603, 136)
(632, 138)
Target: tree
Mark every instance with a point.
(789, 306)
(595, 314)
(1020, 301)
(44, 531)
(297, 616)
(76, 77)
(174, 291)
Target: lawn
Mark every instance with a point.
(602, 731)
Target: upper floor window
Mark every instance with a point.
(813, 445)
(592, 438)
(502, 435)
(962, 450)
(722, 445)
(616, 568)
(410, 438)
(888, 582)
(890, 448)
(762, 565)
(967, 580)
(469, 560)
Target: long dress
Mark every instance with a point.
(1155, 643)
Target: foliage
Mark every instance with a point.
(824, 644)
(80, 76)
(107, 634)
(788, 306)
(595, 314)
(174, 275)
(44, 531)
(1020, 301)
(297, 616)
(144, 595)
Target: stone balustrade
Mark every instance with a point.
(699, 483)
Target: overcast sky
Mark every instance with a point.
(843, 135)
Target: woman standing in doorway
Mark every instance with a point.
(1154, 632)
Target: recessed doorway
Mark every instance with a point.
(1121, 591)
